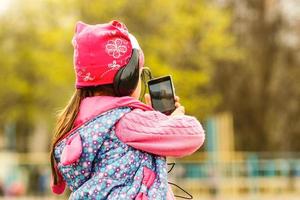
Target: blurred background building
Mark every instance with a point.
(236, 66)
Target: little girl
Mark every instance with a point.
(108, 144)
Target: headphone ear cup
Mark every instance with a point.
(127, 78)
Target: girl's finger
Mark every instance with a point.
(178, 111)
(181, 109)
(148, 99)
(177, 98)
(177, 104)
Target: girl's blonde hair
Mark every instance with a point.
(67, 116)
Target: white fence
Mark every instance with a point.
(26, 176)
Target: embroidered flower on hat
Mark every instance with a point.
(86, 76)
(114, 65)
(116, 48)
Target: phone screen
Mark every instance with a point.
(162, 94)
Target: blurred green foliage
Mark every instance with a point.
(181, 38)
(221, 59)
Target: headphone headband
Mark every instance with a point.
(127, 77)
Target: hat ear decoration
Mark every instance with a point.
(119, 25)
(80, 26)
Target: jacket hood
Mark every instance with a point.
(90, 107)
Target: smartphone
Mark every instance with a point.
(162, 94)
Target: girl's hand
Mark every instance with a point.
(179, 108)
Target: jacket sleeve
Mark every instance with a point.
(156, 133)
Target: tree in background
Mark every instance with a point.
(35, 60)
(262, 91)
(182, 38)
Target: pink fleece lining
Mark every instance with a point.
(59, 188)
(72, 150)
(90, 107)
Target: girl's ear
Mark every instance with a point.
(80, 26)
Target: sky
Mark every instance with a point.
(4, 5)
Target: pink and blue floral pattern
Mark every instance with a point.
(108, 168)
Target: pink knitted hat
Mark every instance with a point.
(100, 51)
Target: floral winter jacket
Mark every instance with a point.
(118, 147)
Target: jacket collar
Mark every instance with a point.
(91, 107)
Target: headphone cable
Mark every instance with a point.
(180, 188)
